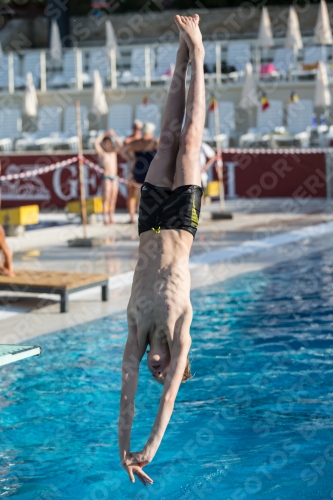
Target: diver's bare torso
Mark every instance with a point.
(160, 295)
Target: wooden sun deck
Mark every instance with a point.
(54, 283)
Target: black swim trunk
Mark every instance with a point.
(164, 208)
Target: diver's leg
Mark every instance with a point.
(162, 169)
(187, 165)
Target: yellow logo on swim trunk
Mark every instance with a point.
(156, 230)
(194, 216)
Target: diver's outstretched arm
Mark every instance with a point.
(173, 380)
(130, 374)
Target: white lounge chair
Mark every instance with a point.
(226, 119)
(267, 121)
(10, 126)
(31, 63)
(312, 55)
(99, 59)
(284, 60)
(210, 56)
(49, 119)
(137, 73)
(166, 57)
(68, 76)
(70, 128)
(120, 119)
(299, 120)
(315, 54)
(270, 118)
(238, 54)
(48, 135)
(149, 113)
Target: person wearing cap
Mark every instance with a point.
(6, 264)
(136, 132)
(140, 154)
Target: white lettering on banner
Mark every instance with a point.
(29, 188)
(90, 181)
(71, 183)
(231, 178)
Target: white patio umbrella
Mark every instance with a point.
(55, 42)
(249, 97)
(265, 35)
(293, 35)
(322, 31)
(322, 97)
(99, 106)
(111, 39)
(30, 102)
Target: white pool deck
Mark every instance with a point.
(262, 233)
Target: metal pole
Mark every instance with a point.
(81, 170)
(328, 164)
(113, 64)
(78, 69)
(218, 63)
(219, 163)
(11, 82)
(43, 71)
(147, 66)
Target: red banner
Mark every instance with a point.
(52, 189)
(275, 175)
(251, 175)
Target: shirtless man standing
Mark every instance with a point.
(6, 266)
(159, 310)
(107, 150)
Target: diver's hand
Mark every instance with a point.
(137, 458)
(136, 470)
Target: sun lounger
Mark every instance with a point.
(55, 283)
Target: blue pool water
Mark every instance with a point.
(255, 421)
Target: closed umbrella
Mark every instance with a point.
(322, 97)
(30, 102)
(99, 106)
(111, 39)
(323, 32)
(293, 36)
(265, 36)
(249, 97)
(55, 42)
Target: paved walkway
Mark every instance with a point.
(221, 249)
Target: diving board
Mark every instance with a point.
(56, 283)
(10, 353)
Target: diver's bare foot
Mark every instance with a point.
(190, 31)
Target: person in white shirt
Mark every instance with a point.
(206, 155)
